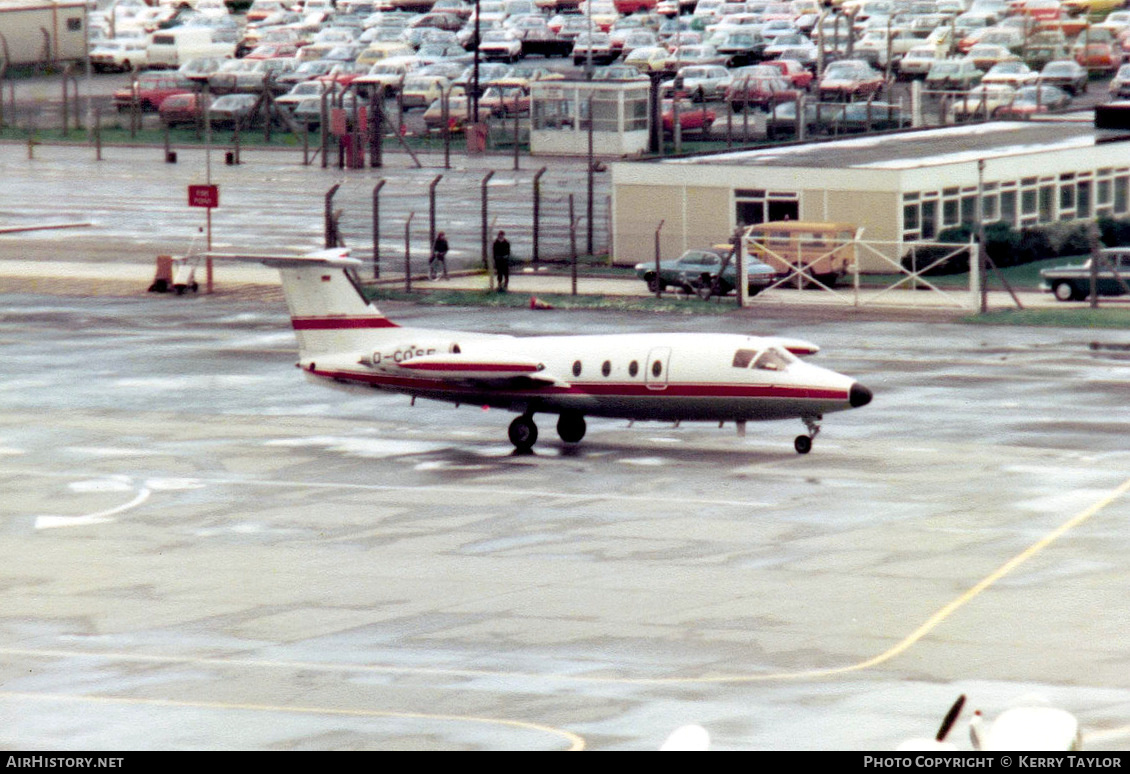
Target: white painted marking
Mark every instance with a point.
(173, 484)
(101, 485)
(102, 517)
(644, 461)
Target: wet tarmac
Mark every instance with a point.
(201, 550)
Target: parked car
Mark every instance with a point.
(692, 118)
(500, 44)
(423, 90)
(231, 109)
(180, 109)
(617, 72)
(505, 100)
(697, 269)
(151, 89)
(762, 91)
(1120, 83)
(596, 47)
(701, 82)
(1098, 57)
(651, 59)
(200, 68)
(836, 118)
(697, 54)
(1014, 74)
(796, 73)
(819, 118)
(741, 47)
(1067, 74)
(953, 75)
(1073, 283)
(917, 62)
(1035, 100)
(981, 102)
(985, 55)
(249, 75)
(849, 79)
(122, 54)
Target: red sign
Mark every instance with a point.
(204, 196)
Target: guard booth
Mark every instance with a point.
(562, 113)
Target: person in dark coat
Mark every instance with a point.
(439, 257)
(501, 253)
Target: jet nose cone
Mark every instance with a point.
(859, 395)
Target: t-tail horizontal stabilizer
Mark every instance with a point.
(328, 308)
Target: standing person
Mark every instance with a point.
(501, 252)
(439, 257)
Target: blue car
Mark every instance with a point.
(697, 269)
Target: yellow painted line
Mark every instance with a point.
(901, 647)
(575, 742)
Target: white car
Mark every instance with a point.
(1014, 74)
(500, 44)
(713, 81)
(918, 60)
(122, 54)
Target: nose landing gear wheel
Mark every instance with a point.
(803, 443)
(523, 433)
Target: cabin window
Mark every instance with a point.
(743, 357)
(633, 368)
(657, 368)
(606, 368)
(576, 368)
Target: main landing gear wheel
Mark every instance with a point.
(523, 433)
(571, 427)
(803, 443)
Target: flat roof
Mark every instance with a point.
(916, 148)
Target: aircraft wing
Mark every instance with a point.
(493, 368)
(334, 256)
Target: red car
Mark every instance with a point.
(799, 75)
(763, 91)
(850, 79)
(691, 117)
(151, 89)
(182, 109)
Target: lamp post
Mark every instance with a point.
(475, 76)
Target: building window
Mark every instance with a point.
(1121, 194)
(74, 25)
(1083, 199)
(1008, 207)
(910, 217)
(929, 219)
(949, 213)
(753, 206)
(1047, 203)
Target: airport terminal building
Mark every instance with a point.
(899, 187)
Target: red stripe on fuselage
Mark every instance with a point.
(603, 390)
(487, 367)
(340, 323)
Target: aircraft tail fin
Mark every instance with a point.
(328, 309)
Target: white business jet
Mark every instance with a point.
(344, 340)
